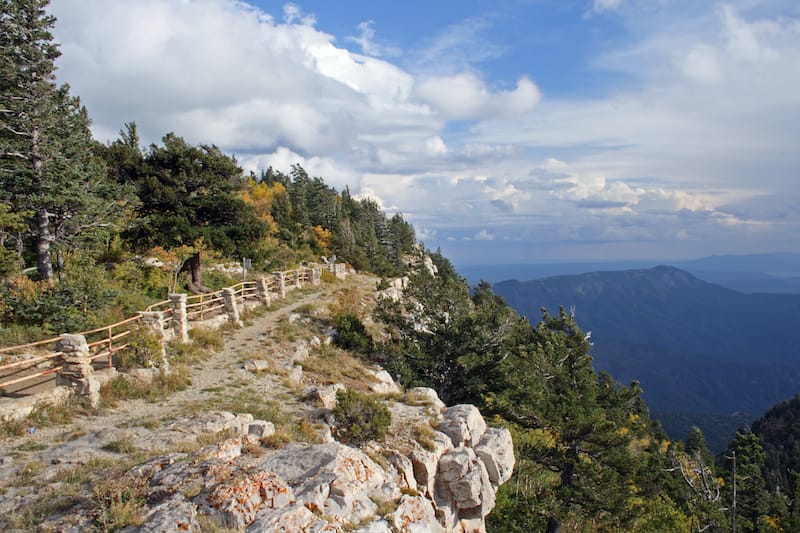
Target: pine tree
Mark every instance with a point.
(47, 164)
(751, 500)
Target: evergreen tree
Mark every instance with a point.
(750, 505)
(190, 197)
(47, 166)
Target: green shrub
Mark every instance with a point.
(351, 334)
(144, 350)
(360, 418)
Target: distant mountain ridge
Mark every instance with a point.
(696, 347)
(767, 273)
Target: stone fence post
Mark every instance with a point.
(341, 271)
(298, 277)
(76, 370)
(262, 290)
(229, 297)
(316, 275)
(280, 283)
(180, 320)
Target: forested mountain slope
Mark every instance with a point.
(694, 346)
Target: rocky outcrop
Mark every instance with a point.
(448, 485)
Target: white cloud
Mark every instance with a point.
(706, 123)
(484, 235)
(466, 96)
(366, 41)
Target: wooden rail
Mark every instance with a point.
(109, 340)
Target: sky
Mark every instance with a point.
(510, 131)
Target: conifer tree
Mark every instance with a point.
(47, 163)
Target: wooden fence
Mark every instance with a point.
(37, 360)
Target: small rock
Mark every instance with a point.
(326, 395)
(256, 365)
(295, 375)
(260, 429)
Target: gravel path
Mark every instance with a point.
(209, 380)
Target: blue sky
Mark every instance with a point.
(508, 131)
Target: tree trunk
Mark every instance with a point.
(193, 266)
(44, 262)
(553, 525)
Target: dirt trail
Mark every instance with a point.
(209, 379)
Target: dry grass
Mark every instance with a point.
(332, 365)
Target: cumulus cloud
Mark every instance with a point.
(228, 73)
(698, 146)
(465, 96)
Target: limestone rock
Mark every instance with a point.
(463, 489)
(463, 424)
(260, 429)
(416, 514)
(173, 515)
(256, 365)
(331, 479)
(426, 462)
(405, 470)
(300, 352)
(429, 396)
(290, 520)
(379, 526)
(144, 375)
(295, 375)
(234, 502)
(326, 395)
(496, 450)
(385, 384)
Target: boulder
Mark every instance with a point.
(496, 450)
(416, 514)
(326, 395)
(259, 429)
(429, 396)
(384, 383)
(144, 375)
(463, 489)
(300, 352)
(463, 424)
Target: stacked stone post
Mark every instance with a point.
(341, 271)
(316, 275)
(180, 320)
(229, 297)
(280, 283)
(298, 277)
(262, 291)
(153, 321)
(76, 370)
